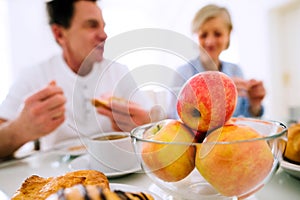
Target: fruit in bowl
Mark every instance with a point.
(255, 148)
(169, 162)
(230, 163)
(234, 156)
(207, 100)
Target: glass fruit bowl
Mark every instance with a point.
(233, 161)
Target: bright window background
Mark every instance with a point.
(26, 39)
(5, 74)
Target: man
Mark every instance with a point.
(58, 92)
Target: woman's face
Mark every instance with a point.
(214, 36)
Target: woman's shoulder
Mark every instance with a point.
(231, 69)
(190, 63)
(230, 65)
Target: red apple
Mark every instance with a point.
(169, 162)
(234, 168)
(207, 100)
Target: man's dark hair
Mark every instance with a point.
(61, 11)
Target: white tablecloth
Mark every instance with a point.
(281, 186)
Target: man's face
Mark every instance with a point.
(85, 34)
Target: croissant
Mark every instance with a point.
(292, 151)
(39, 188)
(93, 192)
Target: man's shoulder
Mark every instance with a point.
(44, 64)
(111, 65)
(41, 70)
(108, 62)
(54, 60)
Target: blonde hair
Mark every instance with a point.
(208, 12)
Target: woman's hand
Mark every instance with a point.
(242, 86)
(256, 94)
(254, 90)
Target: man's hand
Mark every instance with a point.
(124, 115)
(43, 112)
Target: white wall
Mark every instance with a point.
(285, 60)
(31, 41)
(30, 37)
(5, 74)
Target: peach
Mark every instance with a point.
(169, 162)
(232, 166)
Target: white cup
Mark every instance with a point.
(112, 155)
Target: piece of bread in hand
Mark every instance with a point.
(100, 103)
(106, 103)
(292, 150)
(40, 188)
(93, 192)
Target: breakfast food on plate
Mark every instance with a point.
(77, 148)
(36, 187)
(77, 185)
(292, 151)
(81, 192)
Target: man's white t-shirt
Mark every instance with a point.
(106, 77)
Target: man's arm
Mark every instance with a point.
(10, 141)
(43, 112)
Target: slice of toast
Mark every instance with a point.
(100, 103)
(106, 103)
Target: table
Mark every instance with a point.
(47, 164)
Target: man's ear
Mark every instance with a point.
(57, 33)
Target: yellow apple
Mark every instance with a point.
(234, 168)
(169, 162)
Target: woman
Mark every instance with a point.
(213, 26)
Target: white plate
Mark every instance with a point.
(83, 162)
(130, 188)
(71, 147)
(3, 196)
(292, 169)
